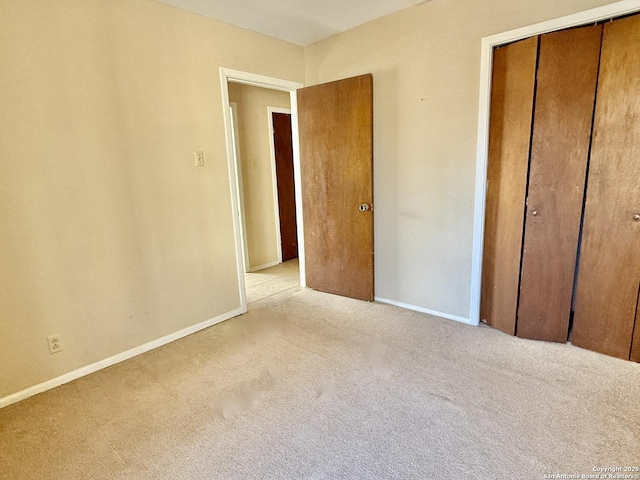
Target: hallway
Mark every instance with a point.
(272, 284)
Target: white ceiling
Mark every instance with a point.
(299, 21)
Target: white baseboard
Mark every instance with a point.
(120, 357)
(448, 316)
(262, 267)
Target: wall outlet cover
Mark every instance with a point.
(54, 343)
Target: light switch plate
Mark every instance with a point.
(199, 158)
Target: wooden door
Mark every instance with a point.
(565, 97)
(283, 151)
(609, 267)
(635, 344)
(513, 84)
(336, 157)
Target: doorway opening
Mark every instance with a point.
(266, 187)
(260, 199)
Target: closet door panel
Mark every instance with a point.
(609, 269)
(509, 138)
(565, 96)
(635, 345)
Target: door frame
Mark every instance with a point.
(605, 12)
(228, 75)
(237, 159)
(274, 177)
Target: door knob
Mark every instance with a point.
(535, 213)
(364, 207)
(636, 217)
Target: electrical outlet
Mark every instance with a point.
(199, 158)
(55, 344)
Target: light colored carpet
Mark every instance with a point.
(321, 387)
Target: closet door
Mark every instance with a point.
(635, 345)
(565, 97)
(609, 269)
(514, 68)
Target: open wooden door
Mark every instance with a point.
(336, 156)
(283, 152)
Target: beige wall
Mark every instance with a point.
(425, 62)
(256, 166)
(110, 236)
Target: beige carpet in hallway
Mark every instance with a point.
(321, 387)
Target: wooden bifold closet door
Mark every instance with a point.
(565, 96)
(609, 267)
(514, 71)
(536, 174)
(562, 226)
